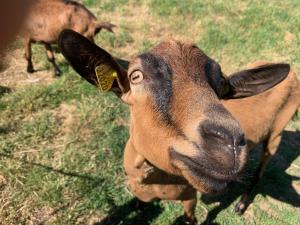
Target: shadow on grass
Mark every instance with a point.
(276, 183)
(127, 214)
(51, 169)
(181, 221)
(130, 214)
(92, 180)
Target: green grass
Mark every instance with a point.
(61, 144)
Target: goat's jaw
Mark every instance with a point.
(199, 178)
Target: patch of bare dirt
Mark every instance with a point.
(296, 187)
(39, 216)
(3, 181)
(266, 207)
(69, 121)
(85, 134)
(249, 214)
(142, 19)
(279, 206)
(13, 70)
(289, 37)
(89, 220)
(65, 114)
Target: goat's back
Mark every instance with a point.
(47, 18)
(262, 114)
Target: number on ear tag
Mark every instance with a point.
(105, 77)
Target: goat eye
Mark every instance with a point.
(136, 77)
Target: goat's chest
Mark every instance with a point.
(149, 183)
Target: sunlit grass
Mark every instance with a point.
(61, 144)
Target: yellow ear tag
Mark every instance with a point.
(105, 77)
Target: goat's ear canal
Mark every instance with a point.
(93, 63)
(254, 81)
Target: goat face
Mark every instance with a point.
(177, 119)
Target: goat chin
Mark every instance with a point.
(204, 183)
(201, 182)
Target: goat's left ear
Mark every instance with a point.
(254, 81)
(93, 63)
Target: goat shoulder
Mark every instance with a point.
(258, 115)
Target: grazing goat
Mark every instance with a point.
(47, 18)
(183, 138)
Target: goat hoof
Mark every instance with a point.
(30, 69)
(140, 205)
(243, 204)
(57, 73)
(240, 208)
(189, 220)
(148, 169)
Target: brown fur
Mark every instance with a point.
(263, 118)
(182, 137)
(259, 122)
(46, 20)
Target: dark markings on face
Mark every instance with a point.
(75, 9)
(197, 69)
(160, 81)
(213, 132)
(200, 170)
(214, 76)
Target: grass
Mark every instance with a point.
(61, 143)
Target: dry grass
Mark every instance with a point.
(61, 142)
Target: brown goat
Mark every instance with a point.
(47, 18)
(183, 138)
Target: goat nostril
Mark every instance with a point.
(240, 141)
(232, 139)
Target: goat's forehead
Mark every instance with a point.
(174, 51)
(173, 54)
(170, 67)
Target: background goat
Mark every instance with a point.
(182, 138)
(47, 18)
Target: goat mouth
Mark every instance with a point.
(203, 179)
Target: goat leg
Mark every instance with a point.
(140, 205)
(51, 58)
(189, 207)
(28, 54)
(270, 146)
(141, 163)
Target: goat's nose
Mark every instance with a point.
(233, 139)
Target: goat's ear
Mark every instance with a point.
(254, 81)
(93, 63)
